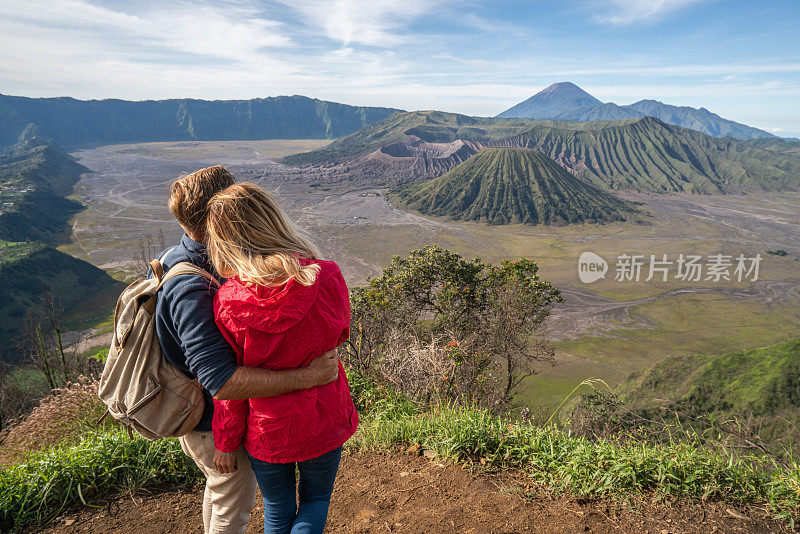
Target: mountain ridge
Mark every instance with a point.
(644, 154)
(35, 179)
(71, 122)
(648, 154)
(555, 102)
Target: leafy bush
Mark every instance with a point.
(443, 328)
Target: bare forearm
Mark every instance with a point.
(252, 382)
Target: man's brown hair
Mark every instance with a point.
(190, 194)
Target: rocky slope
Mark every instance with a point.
(433, 127)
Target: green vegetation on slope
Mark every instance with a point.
(512, 185)
(71, 122)
(649, 155)
(30, 277)
(430, 126)
(777, 144)
(762, 383)
(34, 179)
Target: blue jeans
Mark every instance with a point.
(277, 482)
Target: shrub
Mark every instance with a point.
(469, 326)
(65, 414)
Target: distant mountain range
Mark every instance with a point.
(568, 102)
(643, 154)
(71, 122)
(513, 185)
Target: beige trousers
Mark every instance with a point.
(228, 499)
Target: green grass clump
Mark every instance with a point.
(567, 463)
(105, 462)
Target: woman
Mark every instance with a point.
(280, 308)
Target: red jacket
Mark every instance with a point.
(278, 328)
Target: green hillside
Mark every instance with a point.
(763, 383)
(72, 122)
(510, 185)
(29, 271)
(431, 126)
(649, 155)
(34, 179)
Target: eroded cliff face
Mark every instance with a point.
(72, 122)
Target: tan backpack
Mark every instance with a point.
(140, 388)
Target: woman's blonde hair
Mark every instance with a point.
(250, 235)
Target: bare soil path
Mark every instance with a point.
(403, 493)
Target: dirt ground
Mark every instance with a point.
(407, 493)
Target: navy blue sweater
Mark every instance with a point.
(185, 325)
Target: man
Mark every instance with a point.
(191, 341)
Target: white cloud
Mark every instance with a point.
(86, 31)
(366, 22)
(624, 12)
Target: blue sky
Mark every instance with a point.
(738, 58)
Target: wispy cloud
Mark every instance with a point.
(377, 23)
(624, 12)
(483, 63)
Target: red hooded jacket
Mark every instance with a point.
(279, 328)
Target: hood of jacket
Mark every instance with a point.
(273, 309)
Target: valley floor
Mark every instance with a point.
(385, 492)
(605, 330)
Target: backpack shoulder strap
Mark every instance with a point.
(157, 265)
(185, 267)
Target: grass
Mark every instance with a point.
(14, 251)
(563, 463)
(106, 462)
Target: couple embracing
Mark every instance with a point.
(262, 346)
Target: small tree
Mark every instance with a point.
(44, 343)
(468, 325)
(149, 248)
